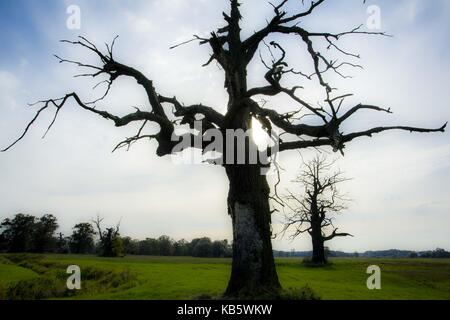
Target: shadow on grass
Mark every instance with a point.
(290, 294)
(310, 264)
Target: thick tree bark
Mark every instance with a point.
(318, 256)
(253, 270)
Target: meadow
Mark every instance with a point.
(161, 278)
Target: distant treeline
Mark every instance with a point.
(393, 253)
(29, 234)
(165, 246)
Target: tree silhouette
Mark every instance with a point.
(253, 268)
(111, 244)
(27, 233)
(18, 232)
(312, 212)
(82, 238)
(43, 235)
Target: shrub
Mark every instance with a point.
(38, 289)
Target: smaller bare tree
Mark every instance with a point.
(312, 212)
(111, 244)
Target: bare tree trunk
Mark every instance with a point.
(253, 270)
(318, 256)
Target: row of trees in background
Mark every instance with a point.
(25, 233)
(165, 246)
(29, 234)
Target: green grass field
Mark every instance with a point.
(190, 278)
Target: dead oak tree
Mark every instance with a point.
(253, 268)
(312, 211)
(110, 242)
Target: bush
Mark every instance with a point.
(118, 247)
(305, 293)
(37, 289)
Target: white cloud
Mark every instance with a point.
(139, 24)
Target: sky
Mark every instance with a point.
(400, 181)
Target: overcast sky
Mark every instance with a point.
(401, 181)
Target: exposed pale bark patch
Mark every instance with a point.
(248, 238)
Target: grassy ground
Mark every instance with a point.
(10, 273)
(188, 278)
